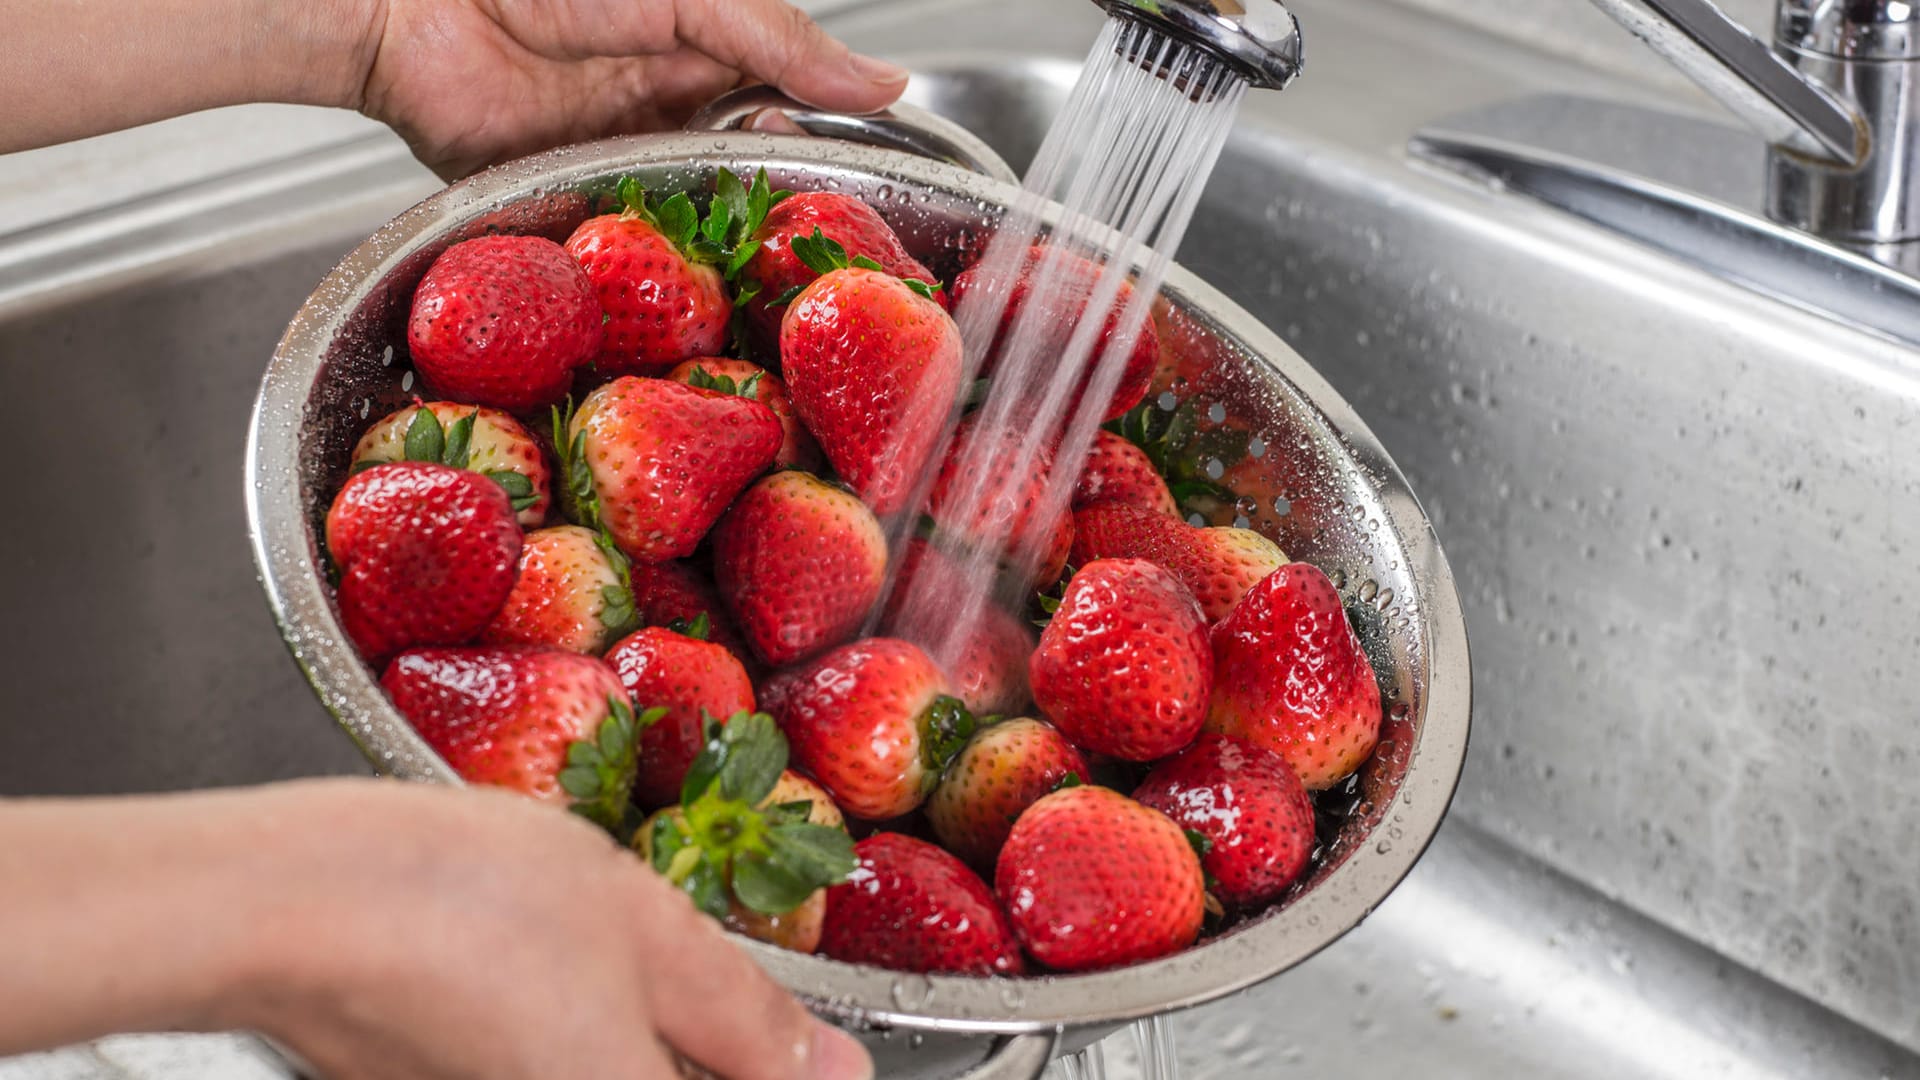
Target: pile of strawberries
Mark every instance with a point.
(663, 607)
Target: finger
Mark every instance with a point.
(775, 42)
(713, 1004)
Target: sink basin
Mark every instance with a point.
(1683, 519)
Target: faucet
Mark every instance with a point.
(1837, 97)
(1260, 39)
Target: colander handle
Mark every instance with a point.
(1017, 1057)
(900, 127)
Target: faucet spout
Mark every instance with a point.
(1749, 78)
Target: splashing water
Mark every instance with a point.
(1088, 1064)
(1152, 1045)
(1125, 161)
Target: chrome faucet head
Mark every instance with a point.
(1258, 38)
(1855, 30)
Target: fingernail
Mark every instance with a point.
(876, 70)
(837, 1055)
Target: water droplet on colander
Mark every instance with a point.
(912, 991)
(1339, 579)
(406, 382)
(884, 191)
(1384, 600)
(386, 356)
(1383, 847)
(1246, 504)
(1011, 994)
(916, 1039)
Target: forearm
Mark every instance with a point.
(84, 67)
(134, 914)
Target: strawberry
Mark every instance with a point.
(426, 555)
(549, 724)
(913, 907)
(983, 499)
(1118, 471)
(663, 303)
(797, 449)
(990, 671)
(873, 367)
(692, 679)
(777, 274)
(675, 592)
(874, 722)
(800, 563)
(794, 788)
(1070, 285)
(656, 463)
(760, 866)
(1253, 811)
(1091, 879)
(1124, 666)
(484, 440)
(503, 321)
(1289, 675)
(571, 594)
(1219, 564)
(1004, 769)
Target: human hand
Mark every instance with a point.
(424, 933)
(470, 83)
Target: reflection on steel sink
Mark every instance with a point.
(1683, 518)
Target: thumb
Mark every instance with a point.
(776, 43)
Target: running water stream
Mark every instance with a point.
(1114, 184)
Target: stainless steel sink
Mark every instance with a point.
(1684, 518)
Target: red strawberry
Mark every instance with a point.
(982, 498)
(873, 368)
(1119, 471)
(569, 595)
(657, 462)
(797, 449)
(775, 270)
(1289, 675)
(990, 672)
(800, 563)
(1124, 666)
(503, 321)
(873, 721)
(484, 440)
(674, 592)
(1091, 879)
(759, 864)
(553, 725)
(693, 680)
(1004, 769)
(663, 302)
(1219, 564)
(1072, 281)
(1256, 816)
(426, 555)
(912, 907)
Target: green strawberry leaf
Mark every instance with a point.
(921, 288)
(819, 253)
(742, 255)
(696, 628)
(599, 771)
(945, 727)
(865, 263)
(708, 887)
(618, 615)
(459, 439)
(1201, 843)
(1071, 780)
(789, 813)
(633, 197)
(767, 884)
(426, 440)
(786, 297)
(678, 219)
(760, 199)
(702, 378)
(667, 840)
(719, 224)
(519, 489)
(751, 388)
(728, 192)
(823, 854)
(363, 465)
(756, 758)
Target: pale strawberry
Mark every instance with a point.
(1005, 768)
(1218, 564)
(571, 594)
(486, 441)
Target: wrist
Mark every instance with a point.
(316, 53)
